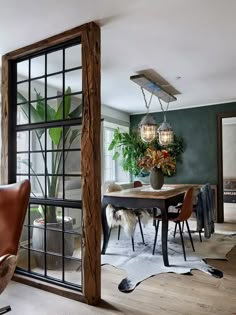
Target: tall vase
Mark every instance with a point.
(156, 178)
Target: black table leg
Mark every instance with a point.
(164, 237)
(105, 228)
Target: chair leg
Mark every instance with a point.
(132, 240)
(200, 236)
(183, 226)
(190, 236)
(5, 309)
(182, 240)
(119, 227)
(109, 234)
(155, 238)
(175, 229)
(141, 230)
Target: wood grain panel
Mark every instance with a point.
(5, 116)
(91, 163)
(50, 288)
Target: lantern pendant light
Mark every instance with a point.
(147, 126)
(165, 131)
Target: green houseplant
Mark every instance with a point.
(38, 114)
(131, 149)
(49, 214)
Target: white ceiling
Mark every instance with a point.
(190, 39)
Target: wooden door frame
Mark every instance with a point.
(90, 149)
(220, 208)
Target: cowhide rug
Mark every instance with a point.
(141, 264)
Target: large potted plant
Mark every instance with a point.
(130, 148)
(51, 217)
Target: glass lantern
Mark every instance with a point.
(148, 128)
(166, 134)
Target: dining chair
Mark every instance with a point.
(182, 215)
(203, 208)
(14, 200)
(123, 217)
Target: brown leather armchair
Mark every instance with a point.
(14, 200)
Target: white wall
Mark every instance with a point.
(229, 148)
(115, 116)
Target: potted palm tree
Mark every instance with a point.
(50, 217)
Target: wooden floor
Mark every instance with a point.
(162, 294)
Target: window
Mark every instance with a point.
(112, 169)
(48, 152)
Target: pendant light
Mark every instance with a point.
(147, 126)
(165, 131)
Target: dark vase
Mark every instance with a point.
(156, 178)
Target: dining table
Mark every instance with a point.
(145, 197)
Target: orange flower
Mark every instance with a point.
(158, 158)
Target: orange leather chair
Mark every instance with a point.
(14, 200)
(182, 216)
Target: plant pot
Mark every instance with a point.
(53, 242)
(156, 178)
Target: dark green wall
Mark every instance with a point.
(198, 127)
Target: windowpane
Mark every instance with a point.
(37, 186)
(22, 141)
(54, 61)
(75, 215)
(22, 70)
(22, 92)
(37, 66)
(37, 89)
(113, 170)
(37, 110)
(54, 109)
(54, 83)
(73, 57)
(73, 271)
(72, 162)
(22, 160)
(73, 137)
(73, 81)
(73, 188)
(37, 163)
(22, 115)
(54, 138)
(54, 186)
(37, 139)
(109, 163)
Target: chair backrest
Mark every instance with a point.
(14, 200)
(187, 206)
(112, 187)
(137, 183)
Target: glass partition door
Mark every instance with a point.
(51, 126)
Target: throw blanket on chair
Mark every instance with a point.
(205, 211)
(126, 218)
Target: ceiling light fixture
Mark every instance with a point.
(147, 126)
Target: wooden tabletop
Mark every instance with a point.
(145, 191)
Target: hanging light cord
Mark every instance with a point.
(147, 104)
(164, 111)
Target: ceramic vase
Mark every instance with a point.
(156, 178)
